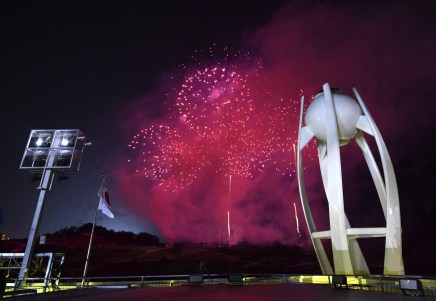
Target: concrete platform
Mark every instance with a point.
(264, 292)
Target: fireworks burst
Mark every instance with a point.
(223, 126)
(222, 121)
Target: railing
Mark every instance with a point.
(380, 283)
(388, 284)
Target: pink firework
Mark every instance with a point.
(223, 121)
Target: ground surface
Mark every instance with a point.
(274, 292)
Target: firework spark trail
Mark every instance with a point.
(295, 153)
(296, 220)
(228, 208)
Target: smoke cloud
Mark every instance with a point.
(384, 49)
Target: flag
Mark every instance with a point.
(104, 204)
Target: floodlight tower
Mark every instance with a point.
(334, 118)
(48, 152)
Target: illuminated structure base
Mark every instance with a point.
(50, 263)
(334, 119)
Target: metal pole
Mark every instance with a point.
(47, 178)
(85, 270)
(48, 270)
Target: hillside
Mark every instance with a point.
(126, 253)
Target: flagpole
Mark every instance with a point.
(85, 270)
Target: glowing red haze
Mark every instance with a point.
(218, 164)
(200, 169)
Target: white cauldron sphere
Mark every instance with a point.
(347, 111)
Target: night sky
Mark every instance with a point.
(114, 68)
